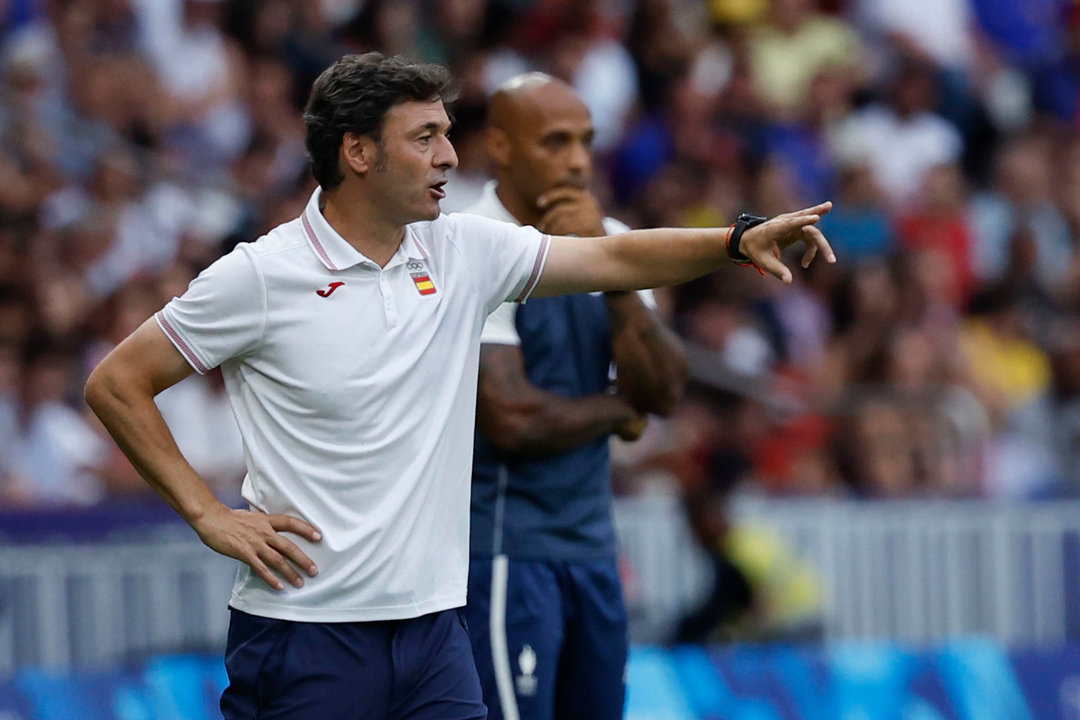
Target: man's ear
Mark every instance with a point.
(498, 146)
(358, 152)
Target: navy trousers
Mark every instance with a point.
(417, 669)
(549, 637)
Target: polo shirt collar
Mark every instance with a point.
(335, 252)
(489, 205)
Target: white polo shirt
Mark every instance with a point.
(501, 326)
(354, 387)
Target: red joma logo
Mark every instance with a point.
(330, 290)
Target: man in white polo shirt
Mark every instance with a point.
(349, 341)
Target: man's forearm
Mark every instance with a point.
(649, 357)
(631, 261)
(135, 423)
(548, 424)
(670, 256)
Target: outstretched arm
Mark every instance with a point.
(654, 258)
(121, 392)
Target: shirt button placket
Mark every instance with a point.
(389, 309)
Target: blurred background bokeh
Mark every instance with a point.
(877, 464)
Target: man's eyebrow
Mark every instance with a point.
(566, 132)
(433, 127)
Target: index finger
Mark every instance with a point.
(819, 209)
(288, 523)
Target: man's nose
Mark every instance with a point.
(445, 156)
(580, 160)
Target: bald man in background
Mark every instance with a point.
(558, 377)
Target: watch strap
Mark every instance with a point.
(744, 222)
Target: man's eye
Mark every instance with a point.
(424, 139)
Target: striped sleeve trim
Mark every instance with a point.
(537, 271)
(180, 343)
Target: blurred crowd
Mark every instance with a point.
(141, 139)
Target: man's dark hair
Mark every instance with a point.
(354, 95)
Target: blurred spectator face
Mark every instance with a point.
(1024, 172)
(15, 319)
(19, 195)
(928, 282)
(668, 199)
(253, 171)
(117, 176)
(135, 302)
(47, 379)
(173, 282)
(10, 369)
(12, 261)
(395, 26)
(912, 363)
(93, 90)
(944, 190)
(202, 14)
(25, 62)
(884, 451)
(915, 91)
(271, 86)
(1023, 254)
(875, 297)
(143, 99)
(114, 26)
(1068, 187)
(859, 189)
(829, 96)
(74, 29)
(566, 55)
(112, 11)
(691, 110)
(273, 21)
(775, 189)
(472, 75)
(86, 242)
(63, 307)
(546, 142)
(1067, 360)
(459, 19)
(712, 323)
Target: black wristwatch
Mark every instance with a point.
(743, 223)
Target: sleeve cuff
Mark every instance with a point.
(179, 342)
(537, 271)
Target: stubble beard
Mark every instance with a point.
(382, 162)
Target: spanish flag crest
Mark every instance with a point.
(421, 278)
